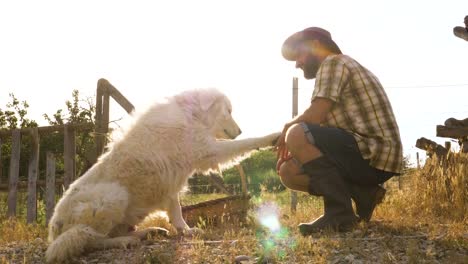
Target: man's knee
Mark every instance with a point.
(295, 137)
(301, 145)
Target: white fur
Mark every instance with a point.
(145, 171)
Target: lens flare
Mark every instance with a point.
(267, 214)
(277, 242)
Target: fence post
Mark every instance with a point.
(50, 185)
(69, 153)
(243, 179)
(417, 160)
(448, 146)
(102, 115)
(295, 91)
(32, 177)
(105, 118)
(14, 171)
(33, 169)
(99, 141)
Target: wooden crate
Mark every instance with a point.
(217, 211)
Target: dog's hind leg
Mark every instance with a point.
(115, 242)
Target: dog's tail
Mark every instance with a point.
(71, 243)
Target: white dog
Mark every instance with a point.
(145, 171)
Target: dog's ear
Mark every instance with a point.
(206, 100)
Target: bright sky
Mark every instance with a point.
(150, 49)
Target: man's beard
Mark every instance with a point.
(311, 67)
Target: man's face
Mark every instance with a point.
(309, 65)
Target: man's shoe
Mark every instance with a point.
(326, 180)
(366, 199)
(340, 224)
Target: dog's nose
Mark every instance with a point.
(240, 131)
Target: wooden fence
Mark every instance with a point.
(104, 91)
(69, 131)
(100, 128)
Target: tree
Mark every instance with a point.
(16, 112)
(14, 116)
(78, 111)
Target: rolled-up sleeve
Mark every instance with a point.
(332, 77)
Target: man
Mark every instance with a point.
(346, 143)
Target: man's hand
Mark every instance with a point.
(281, 161)
(282, 151)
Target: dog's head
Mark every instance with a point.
(213, 109)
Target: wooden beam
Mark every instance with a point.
(49, 129)
(117, 96)
(452, 132)
(33, 170)
(14, 172)
(431, 147)
(50, 186)
(23, 185)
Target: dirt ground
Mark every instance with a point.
(376, 242)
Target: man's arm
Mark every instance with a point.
(315, 114)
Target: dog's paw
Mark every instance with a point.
(193, 231)
(189, 231)
(270, 140)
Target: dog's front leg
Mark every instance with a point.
(175, 214)
(176, 218)
(227, 150)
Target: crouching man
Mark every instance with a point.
(346, 143)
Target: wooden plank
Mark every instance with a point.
(23, 185)
(69, 153)
(14, 171)
(49, 129)
(117, 96)
(33, 170)
(50, 185)
(452, 132)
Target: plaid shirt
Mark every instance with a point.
(362, 108)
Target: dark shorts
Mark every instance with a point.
(341, 147)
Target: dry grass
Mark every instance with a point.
(423, 222)
(435, 196)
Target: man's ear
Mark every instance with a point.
(206, 101)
